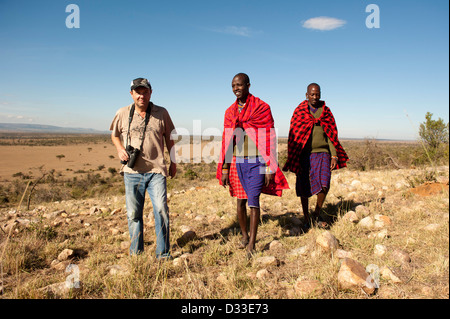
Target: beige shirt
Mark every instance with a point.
(159, 129)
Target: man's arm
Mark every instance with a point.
(170, 144)
(123, 155)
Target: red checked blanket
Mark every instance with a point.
(257, 121)
(300, 129)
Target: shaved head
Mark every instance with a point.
(244, 77)
(311, 85)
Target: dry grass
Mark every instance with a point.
(211, 265)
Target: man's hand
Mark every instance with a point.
(225, 179)
(172, 169)
(269, 178)
(333, 163)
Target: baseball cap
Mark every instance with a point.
(140, 82)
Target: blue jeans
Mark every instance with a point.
(135, 187)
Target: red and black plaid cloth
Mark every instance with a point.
(302, 123)
(255, 118)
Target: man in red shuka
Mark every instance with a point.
(314, 151)
(248, 163)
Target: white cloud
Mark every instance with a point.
(323, 23)
(234, 30)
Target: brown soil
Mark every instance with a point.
(29, 159)
(429, 189)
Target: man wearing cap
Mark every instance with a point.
(139, 132)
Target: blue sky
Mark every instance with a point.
(378, 82)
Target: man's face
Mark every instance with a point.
(239, 87)
(313, 95)
(141, 96)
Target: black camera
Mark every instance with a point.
(132, 156)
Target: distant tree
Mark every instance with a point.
(60, 156)
(434, 133)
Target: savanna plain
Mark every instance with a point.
(64, 234)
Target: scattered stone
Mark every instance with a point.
(222, 278)
(353, 276)
(387, 273)
(366, 222)
(266, 261)
(401, 256)
(59, 265)
(114, 231)
(186, 237)
(327, 241)
(301, 251)
(62, 289)
(308, 287)
(263, 274)
(179, 261)
(362, 210)
(341, 254)
(432, 227)
(66, 254)
(379, 250)
(355, 183)
(125, 245)
(95, 210)
(53, 214)
(116, 211)
(380, 235)
(117, 270)
(351, 216)
(275, 244)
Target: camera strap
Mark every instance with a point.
(147, 118)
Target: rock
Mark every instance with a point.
(263, 274)
(432, 227)
(379, 250)
(355, 183)
(179, 261)
(308, 287)
(301, 251)
(114, 231)
(327, 241)
(381, 234)
(351, 216)
(366, 222)
(353, 276)
(387, 273)
(185, 229)
(60, 265)
(62, 289)
(116, 211)
(66, 254)
(381, 221)
(222, 278)
(275, 244)
(362, 210)
(401, 256)
(53, 214)
(186, 237)
(125, 245)
(266, 261)
(117, 270)
(341, 254)
(95, 210)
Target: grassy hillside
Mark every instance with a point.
(392, 218)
